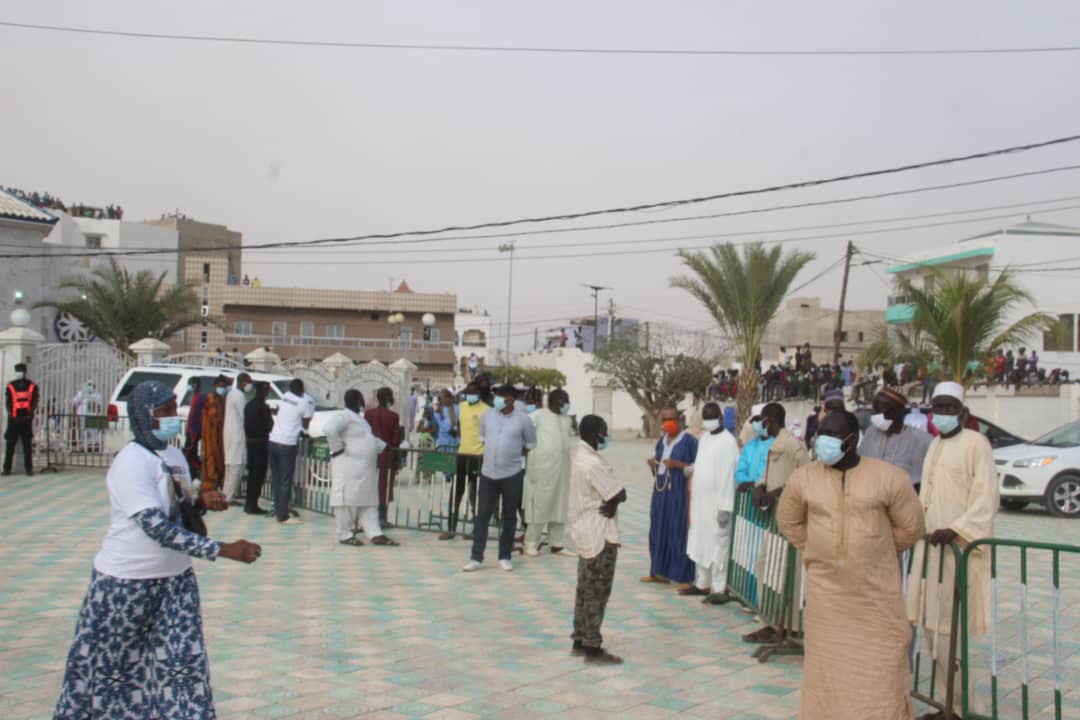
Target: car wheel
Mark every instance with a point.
(1015, 505)
(1063, 496)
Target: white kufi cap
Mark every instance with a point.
(949, 389)
(756, 410)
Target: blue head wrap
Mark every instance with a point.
(143, 400)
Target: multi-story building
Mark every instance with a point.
(1040, 254)
(23, 228)
(472, 335)
(310, 323)
(87, 233)
(195, 238)
(805, 320)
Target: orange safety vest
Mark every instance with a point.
(21, 399)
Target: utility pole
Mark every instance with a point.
(611, 318)
(508, 247)
(596, 312)
(843, 300)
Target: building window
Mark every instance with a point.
(206, 272)
(431, 334)
(1063, 337)
(307, 329)
(860, 336)
(843, 336)
(280, 329)
(405, 335)
(242, 327)
(982, 272)
(93, 242)
(335, 331)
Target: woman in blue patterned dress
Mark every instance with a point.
(138, 651)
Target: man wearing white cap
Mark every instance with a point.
(959, 496)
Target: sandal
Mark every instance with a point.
(653, 579)
(693, 590)
(602, 658)
(355, 541)
(383, 540)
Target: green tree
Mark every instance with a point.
(964, 318)
(742, 291)
(122, 307)
(652, 371)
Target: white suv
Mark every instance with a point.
(1045, 471)
(177, 377)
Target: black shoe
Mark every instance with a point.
(256, 511)
(5, 473)
(29, 473)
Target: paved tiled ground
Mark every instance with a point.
(317, 630)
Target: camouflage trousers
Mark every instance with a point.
(594, 579)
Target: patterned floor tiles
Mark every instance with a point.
(316, 630)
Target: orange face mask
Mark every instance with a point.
(671, 427)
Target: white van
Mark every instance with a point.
(176, 377)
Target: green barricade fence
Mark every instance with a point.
(1027, 666)
(764, 574)
(933, 664)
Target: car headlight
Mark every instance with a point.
(1035, 461)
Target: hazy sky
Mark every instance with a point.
(296, 143)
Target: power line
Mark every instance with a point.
(1029, 50)
(669, 203)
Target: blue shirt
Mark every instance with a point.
(443, 439)
(505, 437)
(752, 460)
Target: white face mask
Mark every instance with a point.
(881, 422)
(711, 425)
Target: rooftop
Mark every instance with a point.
(17, 209)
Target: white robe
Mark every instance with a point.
(712, 490)
(354, 476)
(233, 434)
(547, 473)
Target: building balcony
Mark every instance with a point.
(385, 350)
(900, 313)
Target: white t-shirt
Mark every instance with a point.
(137, 481)
(289, 423)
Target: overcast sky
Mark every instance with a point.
(296, 143)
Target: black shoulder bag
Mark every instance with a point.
(190, 516)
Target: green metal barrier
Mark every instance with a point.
(763, 574)
(1037, 694)
(925, 671)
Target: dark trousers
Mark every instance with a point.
(282, 467)
(257, 460)
(19, 431)
(594, 580)
(509, 489)
(468, 470)
(388, 467)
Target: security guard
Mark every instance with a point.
(21, 401)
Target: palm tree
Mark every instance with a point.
(122, 308)
(742, 291)
(963, 318)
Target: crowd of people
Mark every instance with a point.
(46, 201)
(887, 488)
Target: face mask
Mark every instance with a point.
(881, 422)
(946, 423)
(530, 409)
(168, 428)
(759, 429)
(221, 390)
(671, 427)
(829, 449)
(20, 376)
(711, 425)
(565, 409)
(602, 444)
(472, 399)
(500, 403)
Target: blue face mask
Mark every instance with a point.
(500, 403)
(530, 409)
(759, 428)
(221, 390)
(168, 428)
(946, 423)
(602, 444)
(472, 399)
(565, 409)
(829, 449)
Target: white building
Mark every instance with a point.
(472, 334)
(1042, 256)
(40, 245)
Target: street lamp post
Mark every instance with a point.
(596, 312)
(508, 247)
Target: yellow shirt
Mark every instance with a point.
(469, 424)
